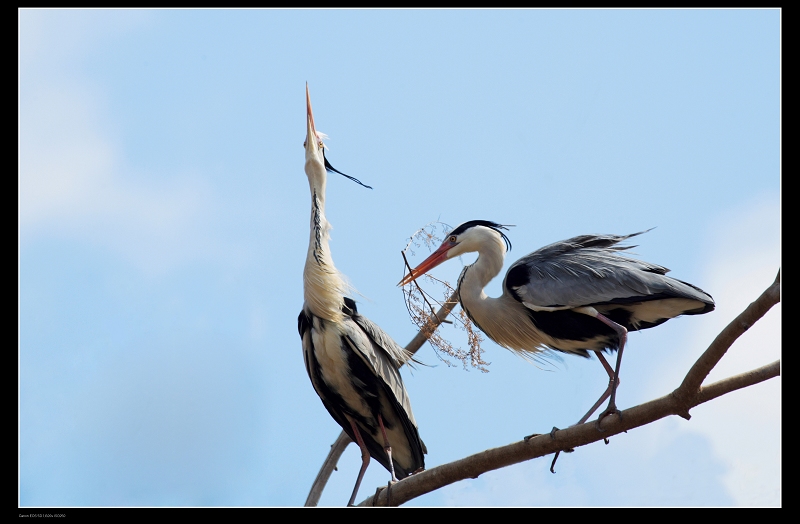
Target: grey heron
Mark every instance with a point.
(352, 363)
(574, 296)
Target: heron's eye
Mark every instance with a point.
(452, 239)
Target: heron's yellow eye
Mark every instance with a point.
(452, 239)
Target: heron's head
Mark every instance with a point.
(316, 163)
(468, 237)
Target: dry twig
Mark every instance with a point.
(414, 296)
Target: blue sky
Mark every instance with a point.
(163, 222)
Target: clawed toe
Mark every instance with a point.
(610, 410)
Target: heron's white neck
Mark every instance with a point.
(501, 318)
(323, 286)
(491, 253)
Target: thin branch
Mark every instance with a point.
(445, 310)
(748, 378)
(698, 373)
(338, 447)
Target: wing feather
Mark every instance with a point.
(591, 270)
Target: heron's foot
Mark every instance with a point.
(610, 410)
(553, 464)
(568, 450)
(378, 492)
(389, 491)
(526, 439)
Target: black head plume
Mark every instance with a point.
(330, 168)
(485, 223)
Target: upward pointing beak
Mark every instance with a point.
(312, 141)
(436, 258)
(315, 150)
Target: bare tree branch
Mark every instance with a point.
(496, 458)
(685, 397)
(748, 378)
(338, 447)
(698, 373)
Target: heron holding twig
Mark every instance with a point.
(576, 296)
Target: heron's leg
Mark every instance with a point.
(606, 393)
(364, 459)
(603, 397)
(387, 447)
(614, 382)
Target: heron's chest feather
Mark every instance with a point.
(506, 324)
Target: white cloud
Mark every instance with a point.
(73, 182)
(744, 426)
(73, 177)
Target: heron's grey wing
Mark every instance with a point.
(383, 354)
(398, 354)
(392, 349)
(369, 376)
(590, 270)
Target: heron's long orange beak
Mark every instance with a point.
(436, 258)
